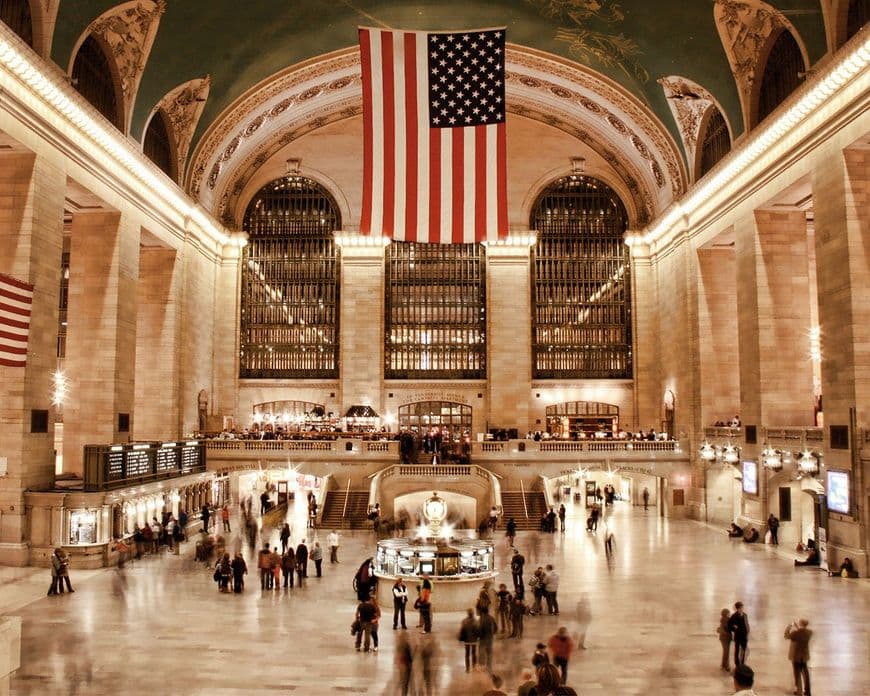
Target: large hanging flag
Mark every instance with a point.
(16, 299)
(434, 148)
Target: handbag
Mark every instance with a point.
(354, 627)
(217, 574)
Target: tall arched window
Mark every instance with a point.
(580, 275)
(92, 77)
(715, 141)
(158, 145)
(435, 311)
(16, 15)
(783, 72)
(857, 17)
(290, 274)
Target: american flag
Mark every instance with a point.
(434, 148)
(15, 301)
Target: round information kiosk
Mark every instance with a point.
(457, 567)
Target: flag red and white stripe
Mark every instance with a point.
(421, 183)
(16, 299)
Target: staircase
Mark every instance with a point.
(354, 515)
(512, 506)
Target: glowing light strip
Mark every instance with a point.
(765, 140)
(55, 93)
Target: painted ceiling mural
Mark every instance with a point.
(633, 42)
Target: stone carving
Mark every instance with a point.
(182, 108)
(744, 27)
(689, 102)
(129, 30)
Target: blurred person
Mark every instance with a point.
(301, 562)
(551, 588)
(275, 566)
(225, 517)
(223, 572)
(548, 680)
(562, 513)
(264, 565)
(536, 582)
(333, 542)
(376, 620)
(365, 614)
(426, 604)
(518, 562)
(724, 633)
(744, 678)
(584, 619)
(527, 683)
(404, 659)
(540, 657)
(240, 569)
(400, 601)
(205, 515)
(469, 634)
(504, 601)
(428, 652)
(285, 537)
(511, 531)
(561, 646)
(317, 557)
(288, 567)
(497, 682)
(799, 634)
(487, 628)
(518, 614)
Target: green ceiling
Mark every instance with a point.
(240, 42)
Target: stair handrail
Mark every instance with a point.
(346, 496)
(548, 498)
(320, 498)
(523, 492)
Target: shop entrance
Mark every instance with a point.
(452, 420)
(574, 420)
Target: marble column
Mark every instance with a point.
(509, 341)
(226, 368)
(647, 385)
(31, 242)
(158, 341)
(841, 204)
(101, 334)
(362, 326)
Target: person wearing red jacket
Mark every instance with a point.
(561, 646)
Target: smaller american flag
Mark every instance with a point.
(16, 299)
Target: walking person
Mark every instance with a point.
(798, 634)
(205, 514)
(317, 557)
(518, 614)
(773, 526)
(285, 537)
(425, 600)
(225, 517)
(400, 601)
(264, 565)
(724, 634)
(645, 498)
(301, 562)
(288, 567)
(511, 531)
(562, 513)
(469, 634)
(504, 608)
(333, 541)
(240, 569)
(738, 624)
(375, 621)
(404, 663)
(551, 587)
(561, 646)
(487, 628)
(275, 565)
(365, 614)
(518, 562)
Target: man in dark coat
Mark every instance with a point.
(799, 636)
(738, 624)
(301, 562)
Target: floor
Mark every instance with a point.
(160, 626)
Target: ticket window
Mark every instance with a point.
(82, 527)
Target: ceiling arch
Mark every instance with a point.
(562, 94)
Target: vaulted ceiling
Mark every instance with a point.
(239, 44)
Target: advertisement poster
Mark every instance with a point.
(838, 492)
(750, 477)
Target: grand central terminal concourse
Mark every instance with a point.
(474, 348)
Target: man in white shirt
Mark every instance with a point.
(744, 678)
(332, 542)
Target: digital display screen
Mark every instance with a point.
(750, 477)
(838, 491)
(427, 567)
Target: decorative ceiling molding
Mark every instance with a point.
(565, 95)
(745, 28)
(689, 102)
(128, 31)
(182, 108)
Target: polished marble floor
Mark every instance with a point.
(160, 627)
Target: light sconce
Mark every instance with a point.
(708, 452)
(771, 459)
(731, 454)
(808, 462)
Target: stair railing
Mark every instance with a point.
(523, 491)
(346, 496)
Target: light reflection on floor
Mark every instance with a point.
(160, 626)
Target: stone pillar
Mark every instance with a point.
(841, 203)
(362, 326)
(101, 334)
(719, 352)
(773, 301)
(509, 340)
(226, 368)
(647, 385)
(31, 242)
(158, 321)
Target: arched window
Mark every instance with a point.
(435, 311)
(715, 141)
(16, 15)
(580, 276)
(92, 77)
(858, 16)
(783, 73)
(290, 274)
(158, 145)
